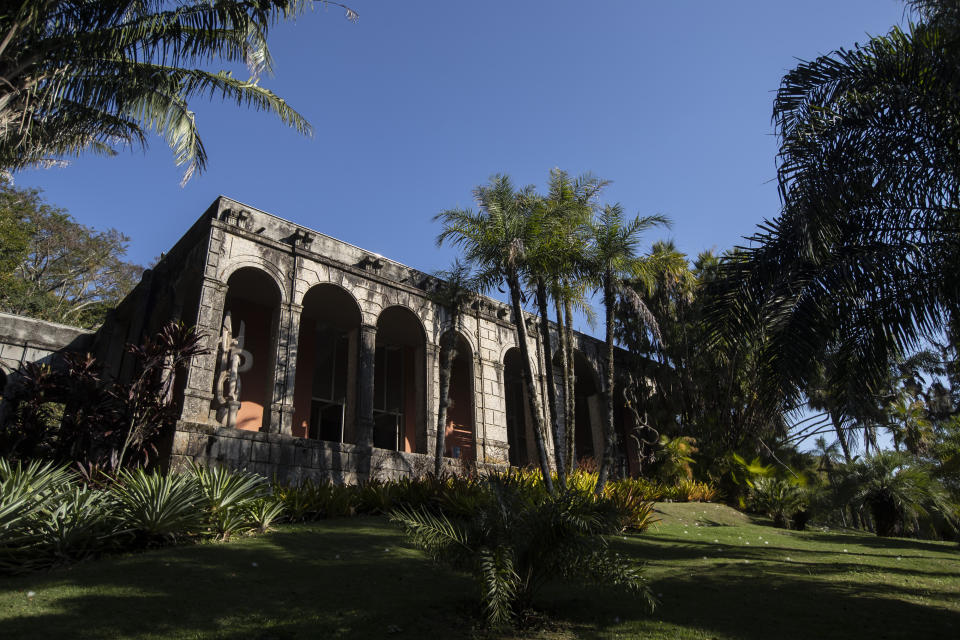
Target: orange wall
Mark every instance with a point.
(254, 389)
(303, 379)
(459, 431)
(409, 399)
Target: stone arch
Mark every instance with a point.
(460, 434)
(258, 263)
(252, 301)
(325, 387)
(462, 331)
(520, 437)
(588, 404)
(399, 389)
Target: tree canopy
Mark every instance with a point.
(53, 267)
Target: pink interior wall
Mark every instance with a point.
(459, 431)
(409, 399)
(303, 380)
(253, 392)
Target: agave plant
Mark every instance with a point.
(228, 495)
(79, 523)
(28, 493)
(158, 508)
(261, 513)
(513, 540)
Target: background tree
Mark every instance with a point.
(64, 272)
(614, 259)
(97, 76)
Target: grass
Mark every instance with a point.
(720, 575)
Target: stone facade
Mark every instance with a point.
(343, 349)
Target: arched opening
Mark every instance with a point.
(517, 406)
(253, 304)
(325, 388)
(459, 440)
(399, 390)
(588, 409)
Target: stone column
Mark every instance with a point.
(432, 368)
(198, 393)
(368, 348)
(287, 343)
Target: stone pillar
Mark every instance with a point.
(432, 367)
(287, 343)
(368, 348)
(198, 393)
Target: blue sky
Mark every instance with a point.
(420, 101)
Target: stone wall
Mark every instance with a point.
(25, 339)
(292, 460)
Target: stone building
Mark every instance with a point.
(314, 343)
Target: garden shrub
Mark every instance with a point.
(513, 538)
(780, 500)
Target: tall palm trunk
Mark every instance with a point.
(609, 432)
(513, 283)
(837, 421)
(555, 428)
(448, 352)
(564, 425)
(570, 382)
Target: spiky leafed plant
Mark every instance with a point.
(862, 259)
(455, 290)
(614, 259)
(158, 508)
(229, 496)
(513, 538)
(96, 76)
(495, 239)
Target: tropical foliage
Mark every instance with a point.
(70, 413)
(859, 262)
(512, 539)
(98, 76)
(51, 515)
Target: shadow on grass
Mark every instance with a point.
(892, 544)
(346, 580)
(731, 602)
(355, 579)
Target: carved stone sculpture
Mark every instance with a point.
(234, 360)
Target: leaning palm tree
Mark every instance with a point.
(456, 288)
(494, 239)
(95, 76)
(614, 260)
(861, 260)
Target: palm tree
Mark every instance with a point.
(863, 256)
(94, 76)
(554, 259)
(454, 291)
(896, 489)
(614, 259)
(495, 240)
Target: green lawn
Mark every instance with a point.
(719, 575)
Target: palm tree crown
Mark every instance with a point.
(93, 76)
